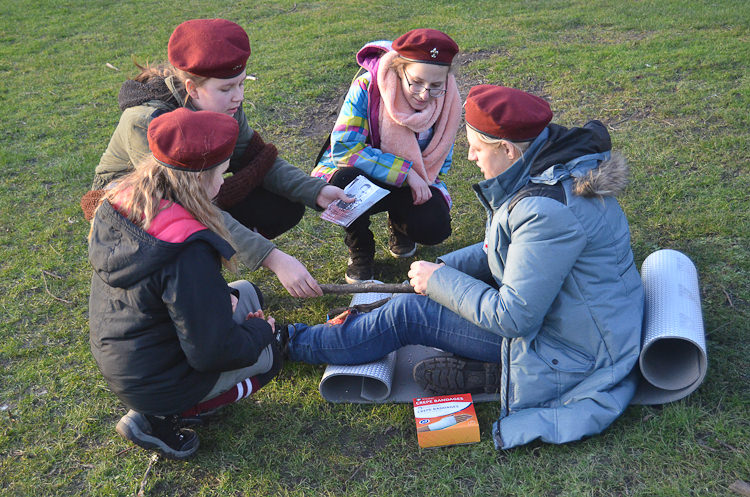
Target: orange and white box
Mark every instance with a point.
(446, 420)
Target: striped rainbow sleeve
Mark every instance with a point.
(349, 146)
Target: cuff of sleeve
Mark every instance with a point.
(317, 191)
(401, 178)
(255, 262)
(437, 283)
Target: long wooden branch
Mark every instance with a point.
(367, 288)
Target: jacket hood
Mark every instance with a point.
(134, 93)
(559, 153)
(585, 155)
(565, 144)
(122, 254)
(609, 179)
(369, 55)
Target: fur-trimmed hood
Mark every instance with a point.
(609, 179)
(583, 153)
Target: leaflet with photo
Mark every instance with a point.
(366, 194)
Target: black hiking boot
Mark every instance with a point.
(162, 434)
(360, 268)
(399, 244)
(446, 375)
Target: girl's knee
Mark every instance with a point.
(404, 305)
(344, 176)
(249, 300)
(430, 233)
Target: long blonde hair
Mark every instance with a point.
(164, 71)
(138, 196)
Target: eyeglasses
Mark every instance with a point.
(416, 89)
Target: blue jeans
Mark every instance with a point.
(404, 320)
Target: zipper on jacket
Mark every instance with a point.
(504, 378)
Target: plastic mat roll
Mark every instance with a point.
(673, 358)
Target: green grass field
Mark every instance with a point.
(671, 81)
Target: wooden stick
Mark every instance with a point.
(367, 287)
(151, 462)
(740, 487)
(47, 289)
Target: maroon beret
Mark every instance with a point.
(192, 140)
(506, 113)
(212, 48)
(426, 45)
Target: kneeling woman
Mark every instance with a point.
(171, 338)
(397, 127)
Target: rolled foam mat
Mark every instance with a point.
(673, 359)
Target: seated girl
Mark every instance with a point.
(546, 309)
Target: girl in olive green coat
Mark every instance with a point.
(207, 72)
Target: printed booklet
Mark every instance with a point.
(366, 194)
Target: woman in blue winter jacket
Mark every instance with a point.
(547, 309)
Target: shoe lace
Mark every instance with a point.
(175, 425)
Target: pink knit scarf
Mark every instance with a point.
(399, 122)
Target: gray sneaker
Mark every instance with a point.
(162, 434)
(446, 375)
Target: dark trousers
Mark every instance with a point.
(267, 212)
(428, 223)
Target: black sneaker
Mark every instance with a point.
(448, 375)
(400, 246)
(360, 268)
(162, 434)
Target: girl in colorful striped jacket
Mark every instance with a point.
(397, 127)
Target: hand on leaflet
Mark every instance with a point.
(330, 193)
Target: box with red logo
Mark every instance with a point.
(446, 420)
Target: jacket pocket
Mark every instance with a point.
(561, 357)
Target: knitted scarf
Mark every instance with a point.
(399, 122)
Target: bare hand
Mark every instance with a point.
(419, 273)
(330, 193)
(234, 301)
(256, 314)
(292, 274)
(259, 314)
(420, 190)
